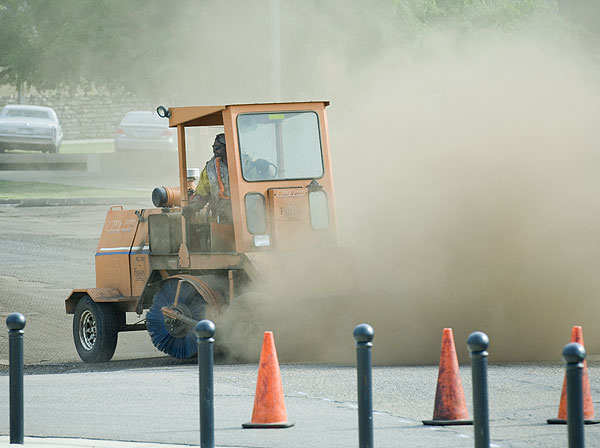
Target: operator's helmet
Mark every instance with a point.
(220, 138)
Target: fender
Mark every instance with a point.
(212, 297)
(101, 295)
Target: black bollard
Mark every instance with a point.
(363, 334)
(574, 354)
(205, 330)
(15, 323)
(478, 343)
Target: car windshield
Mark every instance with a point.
(280, 145)
(144, 117)
(29, 113)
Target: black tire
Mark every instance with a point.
(95, 330)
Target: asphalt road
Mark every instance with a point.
(46, 252)
(142, 395)
(160, 404)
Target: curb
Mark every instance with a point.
(48, 202)
(56, 442)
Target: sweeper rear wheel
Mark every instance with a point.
(95, 330)
(171, 319)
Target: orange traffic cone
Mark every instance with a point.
(269, 406)
(450, 405)
(588, 406)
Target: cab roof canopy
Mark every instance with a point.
(212, 115)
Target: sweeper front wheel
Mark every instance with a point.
(172, 317)
(95, 330)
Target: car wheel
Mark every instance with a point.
(95, 330)
(53, 149)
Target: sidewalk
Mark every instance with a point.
(42, 442)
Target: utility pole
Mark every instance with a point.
(276, 50)
(21, 93)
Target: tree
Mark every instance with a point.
(220, 49)
(49, 44)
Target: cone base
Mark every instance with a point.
(560, 421)
(447, 422)
(251, 425)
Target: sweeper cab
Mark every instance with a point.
(174, 270)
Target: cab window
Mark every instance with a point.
(280, 146)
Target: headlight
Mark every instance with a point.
(256, 213)
(261, 240)
(319, 209)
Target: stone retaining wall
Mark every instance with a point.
(84, 116)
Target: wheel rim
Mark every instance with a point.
(87, 330)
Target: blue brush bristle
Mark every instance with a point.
(180, 348)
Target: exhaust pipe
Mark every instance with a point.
(171, 196)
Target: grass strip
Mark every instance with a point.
(87, 148)
(39, 190)
(76, 148)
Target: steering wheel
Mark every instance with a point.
(263, 167)
(274, 168)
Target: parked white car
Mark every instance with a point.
(34, 128)
(144, 130)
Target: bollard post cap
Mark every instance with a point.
(15, 321)
(574, 353)
(363, 333)
(478, 341)
(205, 329)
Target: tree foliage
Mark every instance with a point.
(143, 46)
(51, 44)
(364, 29)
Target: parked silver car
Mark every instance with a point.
(34, 128)
(145, 130)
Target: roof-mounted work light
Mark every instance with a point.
(163, 112)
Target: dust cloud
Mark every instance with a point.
(466, 171)
(466, 182)
(477, 208)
